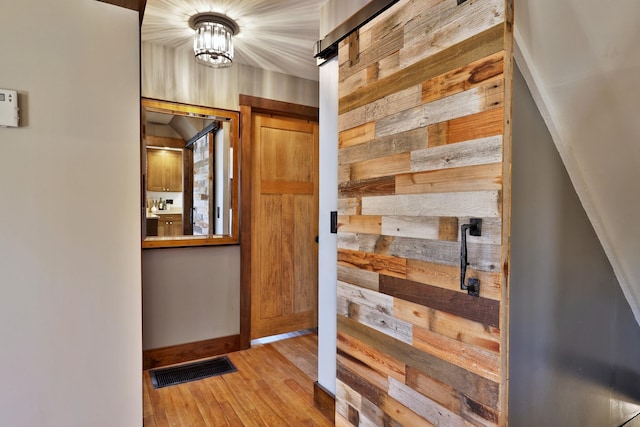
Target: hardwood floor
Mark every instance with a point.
(273, 387)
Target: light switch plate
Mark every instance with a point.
(9, 108)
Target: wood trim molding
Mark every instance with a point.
(163, 141)
(248, 106)
(142, 4)
(190, 351)
(137, 5)
(245, 225)
(270, 106)
(127, 4)
(324, 401)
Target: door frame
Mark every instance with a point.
(248, 106)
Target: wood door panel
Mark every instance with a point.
(285, 204)
(289, 157)
(270, 272)
(287, 256)
(279, 187)
(306, 290)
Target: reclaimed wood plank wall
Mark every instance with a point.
(424, 144)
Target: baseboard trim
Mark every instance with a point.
(324, 401)
(190, 351)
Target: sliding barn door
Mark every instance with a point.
(424, 147)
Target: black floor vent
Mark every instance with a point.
(191, 372)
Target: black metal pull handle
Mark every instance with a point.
(334, 222)
(475, 229)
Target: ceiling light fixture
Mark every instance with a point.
(213, 43)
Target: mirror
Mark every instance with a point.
(189, 175)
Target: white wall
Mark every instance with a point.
(581, 61)
(70, 311)
(328, 243)
(190, 294)
(332, 13)
(574, 345)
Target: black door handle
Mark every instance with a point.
(475, 229)
(334, 222)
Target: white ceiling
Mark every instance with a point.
(276, 35)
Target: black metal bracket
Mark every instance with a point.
(334, 222)
(472, 287)
(475, 229)
(327, 48)
(211, 127)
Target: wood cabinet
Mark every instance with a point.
(152, 226)
(170, 225)
(164, 170)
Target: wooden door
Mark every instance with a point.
(424, 146)
(285, 224)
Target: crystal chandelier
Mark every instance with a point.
(213, 43)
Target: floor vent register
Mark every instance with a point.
(180, 374)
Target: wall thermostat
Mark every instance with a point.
(9, 108)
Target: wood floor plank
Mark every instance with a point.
(273, 398)
(269, 392)
(231, 416)
(208, 406)
(245, 387)
(283, 375)
(154, 402)
(293, 384)
(299, 353)
(268, 389)
(277, 398)
(238, 405)
(170, 407)
(179, 413)
(149, 421)
(314, 418)
(189, 411)
(146, 403)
